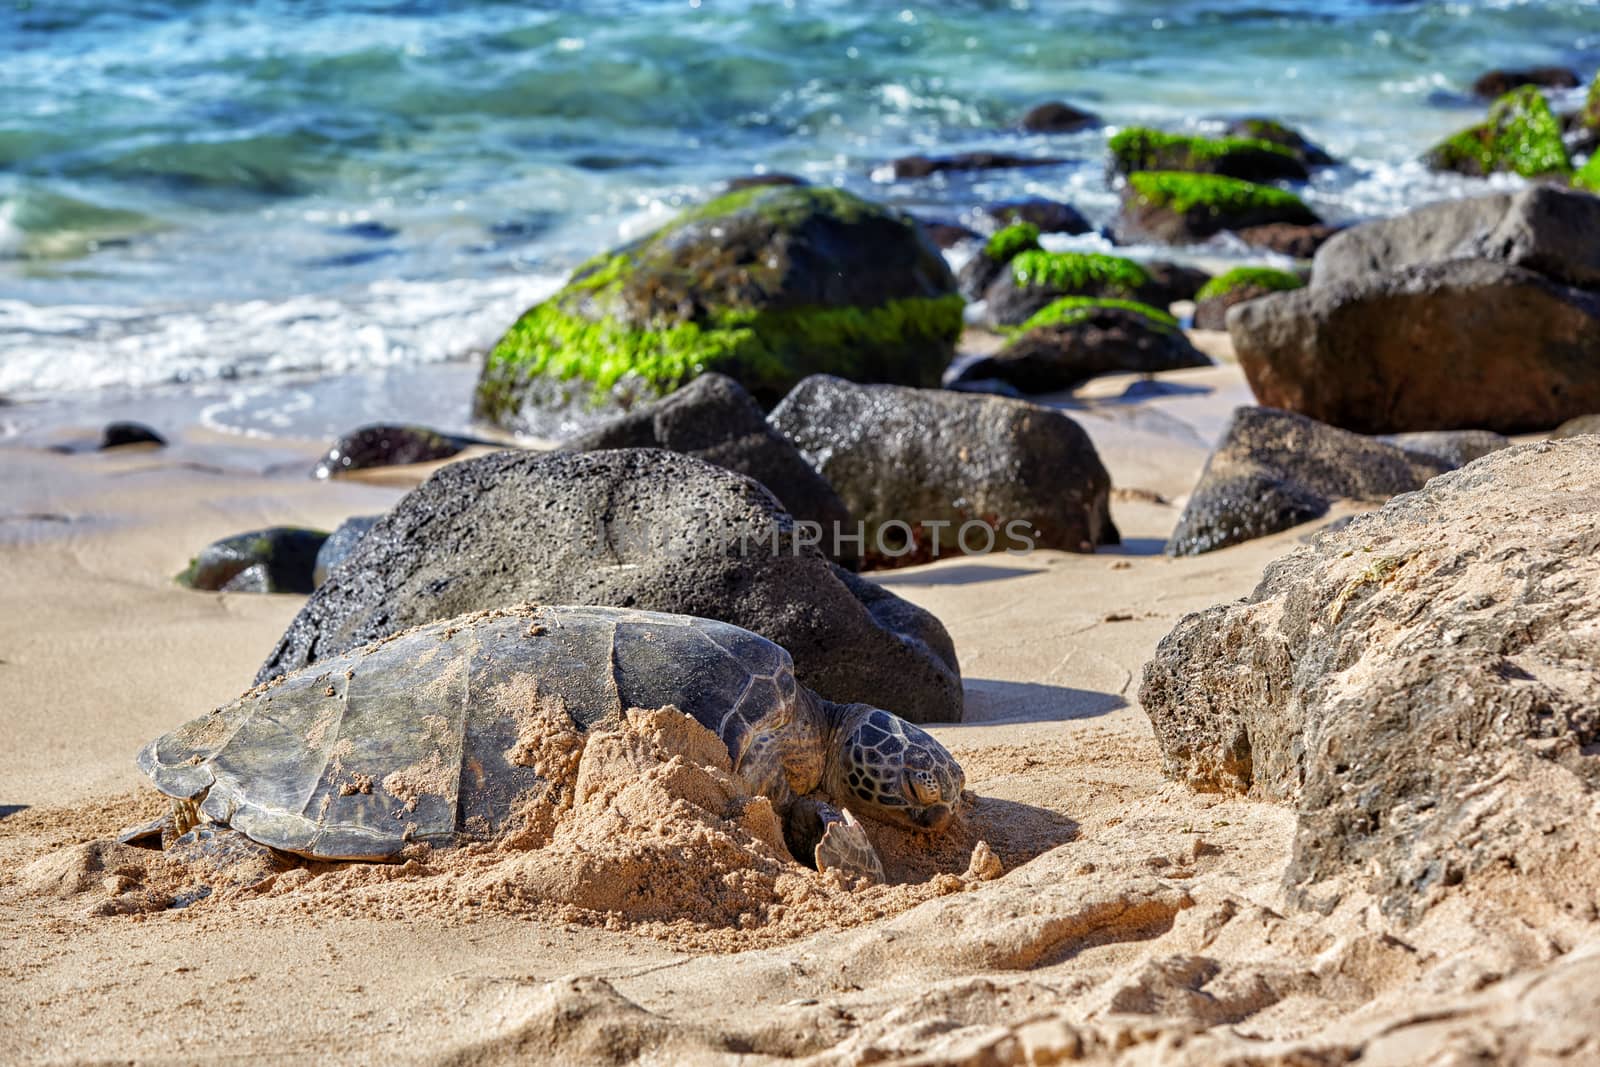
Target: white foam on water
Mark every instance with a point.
(68, 348)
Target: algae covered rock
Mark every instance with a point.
(1078, 338)
(1419, 686)
(279, 559)
(1141, 148)
(1051, 216)
(641, 528)
(1496, 83)
(979, 272)
(1235, 287)
(1033, 280)
(1274, 469)
(1521, 136)
(1180, 208)
(1275, 132)
(765, 284)
(934, 473)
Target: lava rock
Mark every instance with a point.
(1274, 469)
(1139, 148)
(279, 559)
(935, 473)
(715, 420)
(1171, 282)
(1179, 208)
(1071, 341)
(121, 434)
(1235, 287)
(1496, 83)
(340, 545)
(1034, 279)
(947, 234)
(1553, 231)
(1056, 116)
(1418, 686)
(1275, 132)
(765, 284)
(387, 445)
(640, 528)
(1300, 242)
(926, 166)
(1463, 344)
(1050, 216)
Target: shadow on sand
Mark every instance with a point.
(951, 574)
(989, 701)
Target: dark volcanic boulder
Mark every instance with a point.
(340, 545)
(1050, 216)
(385, 445)
(1075, 339)
(1420, 686)
(632, 528)
(713, 419)
(1171, 282)
(1140, 148)
(279, 559)
(1180, 208)
(1553, 231)
(947, 234)
(1033, 280)
(1275, 132)
(1235, 287)
(1521, 136)
(924, 166)
(1497, 83)
(1055, 116)
(766, 285)
(121, 434)
(936, 473)
(1464, 344)
(1274, 469)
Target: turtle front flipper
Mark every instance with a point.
(845, 847)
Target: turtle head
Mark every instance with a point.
(886, 768)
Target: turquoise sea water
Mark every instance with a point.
(205, 189)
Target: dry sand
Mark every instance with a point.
(1134, 921)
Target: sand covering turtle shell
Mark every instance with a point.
(641, 824)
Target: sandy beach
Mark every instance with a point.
(1109, 869)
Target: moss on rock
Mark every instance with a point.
(1186, 192)
(1588, 178)
(1071, 310)
(765, 284)
(1078, 271)
(1521, 136)
(1141, 148)
(1012, 241)
(1266, 278)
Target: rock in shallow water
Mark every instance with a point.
(279, 559)
(1420, 685)
(713, 419)
(1437, 346)
(121, 434)
(638, 528)
(386, 445)
(935, 473)
(1274, 469)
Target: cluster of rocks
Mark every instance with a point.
(1522, 135)
(1481, 313)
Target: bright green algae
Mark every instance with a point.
(1069, 271)
(1141, 148)
(1010, 242)
(1522, 135)
(1589, 177)
(1181, 192)
(1071, 310)
(1254, 277)
(585, 332)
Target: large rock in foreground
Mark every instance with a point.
(765, 284)
(1420, 685)
(637, 528)
(713, 419)
(1463, 344)
(934, 473)
(1274, 469)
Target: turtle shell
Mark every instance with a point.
(416, 738)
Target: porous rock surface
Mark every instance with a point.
(641, 528)
(934, 456)
(1420, 685)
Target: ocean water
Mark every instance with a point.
(203, 192)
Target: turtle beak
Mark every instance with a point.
(935, 817)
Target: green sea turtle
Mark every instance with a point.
(423, 737)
